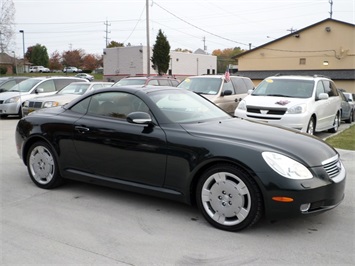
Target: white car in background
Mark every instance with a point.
(306, 103)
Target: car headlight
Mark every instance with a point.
(297, 109)
(50, 104)
(286, 166)
(242, 105)
(12, 99)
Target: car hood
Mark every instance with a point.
(9, 94)
(61, 98)
(263, 137)
(273, 101)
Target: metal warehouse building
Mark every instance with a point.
(120, 62)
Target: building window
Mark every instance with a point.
(302, 61)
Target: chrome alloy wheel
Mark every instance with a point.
(226, 198)
(41, 165)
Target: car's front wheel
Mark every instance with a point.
(229, 198)
(336, 124)
(311, 126)
(42, 166)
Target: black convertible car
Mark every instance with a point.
(175, 144)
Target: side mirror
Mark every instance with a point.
(141, 118)
(226, 93)
(39, 90)
(323, 96)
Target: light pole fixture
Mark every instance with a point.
(23, 48)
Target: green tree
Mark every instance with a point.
(115, 44)
(224, 57)
(161, 54)
(38, 55)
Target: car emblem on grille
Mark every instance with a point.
(282, 102)
(264, 112)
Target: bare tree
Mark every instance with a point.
(7, 17)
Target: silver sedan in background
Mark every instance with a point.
(63, 96)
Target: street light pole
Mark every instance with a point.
(23, 47)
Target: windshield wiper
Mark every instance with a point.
(277, 95)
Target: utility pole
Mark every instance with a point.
(107, 32)
(204, 44)
(331, 8)
(147, 33)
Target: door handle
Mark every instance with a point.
(81, 129)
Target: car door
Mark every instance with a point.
(228, 102)
(112, 147)
(333, 103)
(320, 107)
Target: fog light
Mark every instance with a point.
(305, 207)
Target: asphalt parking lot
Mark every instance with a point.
(82, 224)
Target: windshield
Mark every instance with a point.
(75, 88)
(26, 85)
(285, 88)
(209, 86)
(181, 107)
(123, 82)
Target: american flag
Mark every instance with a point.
(227, 74)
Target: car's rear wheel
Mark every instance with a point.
(336, 124)
(351, 117)
(229, 198)
(311, 126)
(42, 166)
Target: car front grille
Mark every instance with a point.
(35, 104)
(332, 166)
(265, 113)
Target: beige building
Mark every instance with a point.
(325, 48)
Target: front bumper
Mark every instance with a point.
(311, 196)
(9, 108)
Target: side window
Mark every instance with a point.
(116, 104)
(329, 88)
(174, 82)
(319, 89)
(164, 82)
(82, 106)
(61, 83)
(228, 86)
(47, 86)
(153, 82)
(239, 85)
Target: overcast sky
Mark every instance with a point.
(80, 24)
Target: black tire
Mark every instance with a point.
(336, 124)
(351, 117)
(311, 126)
(20, 112)
(229, 198)
(42, 166)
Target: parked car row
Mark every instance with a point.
(42, 69)
(11, 102)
